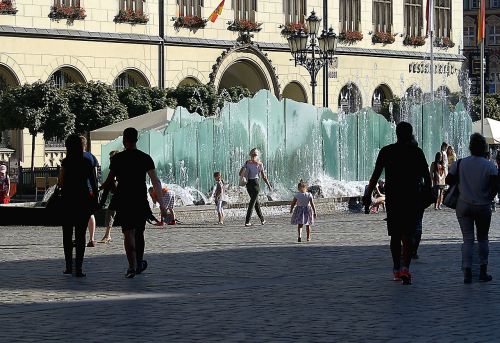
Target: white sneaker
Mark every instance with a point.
(248, 224)
(263, 222)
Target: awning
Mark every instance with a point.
(153, 120)
(491, 130)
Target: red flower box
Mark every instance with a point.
(132, 17)
(67, 12)
(383, 37)
(244, 26)
(189, 22)
(7, 7)
(350, 37)
(415, 40)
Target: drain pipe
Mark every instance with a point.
(161, 48)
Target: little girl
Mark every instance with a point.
(305, 212)
(218, 196)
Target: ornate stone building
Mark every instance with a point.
(382, 53)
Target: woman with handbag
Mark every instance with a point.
(77, 201)
(476, 178)
(249, 174)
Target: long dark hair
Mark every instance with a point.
(438, 158)
(74, 147)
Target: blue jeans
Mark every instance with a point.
(469, 215)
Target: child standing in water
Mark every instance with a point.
(217, 195)
(305, 212)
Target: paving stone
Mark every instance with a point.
(234, 284)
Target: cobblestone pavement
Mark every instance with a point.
(235, 284)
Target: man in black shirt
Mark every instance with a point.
(130, 168)
(405, 169)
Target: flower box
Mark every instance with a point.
(350, 37)
(383, 37)
(131, 17)
(69, 13)
(444, 42)
(7, 7)
(414, 40)
(290, 29)
(189, 22)
(244, 26)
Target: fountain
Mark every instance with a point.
(297, 141)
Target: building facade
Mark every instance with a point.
(492, 44)
(383, 51)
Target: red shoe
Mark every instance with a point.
(172, 222)
(397, 275)
(405, 276)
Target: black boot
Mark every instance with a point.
(467, 275)
(483, 274)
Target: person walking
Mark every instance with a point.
(130, 168)
(305, 212)
(438, 177)
(78, 201)
(405, 167)
(451, 155)
(4, 185)
(95, 164)
(218, 196)
(107, 196)
(477, 182)
(444, 154)
(251, 171)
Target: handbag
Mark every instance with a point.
(244, 177)
(451, 198)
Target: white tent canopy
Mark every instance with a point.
(491, 130)
(153, 120)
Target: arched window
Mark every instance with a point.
(295, 91)
(469, 31)
(189, 81)
(130, 78)
(65, 76)
(413, 18)
(244, 9)
(190, 7)
(413, 93)
(350, 15)
(442, 19)
(381, 93)
(493, 27)
(295, 11)
(382, 15)
(350, 98)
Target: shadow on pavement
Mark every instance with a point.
(288, 293)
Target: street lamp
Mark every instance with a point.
(318, 53)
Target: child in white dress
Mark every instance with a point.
(305, 212)
(218, 196)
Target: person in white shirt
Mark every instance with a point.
(477, 182)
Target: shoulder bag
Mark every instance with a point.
(451, 198)
(244, 177)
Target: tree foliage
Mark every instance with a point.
(491, 107)
(95, 105)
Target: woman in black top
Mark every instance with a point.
(78, 201)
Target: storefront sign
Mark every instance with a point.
(439, 68)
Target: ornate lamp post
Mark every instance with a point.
(318, 53)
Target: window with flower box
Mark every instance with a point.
(190, 8)
(7, 7)
(350, 15)
(72, 3)
(382, 15)
(413, 19)
(295, 11)
(442, 18)
(132, 12)
(244, 9)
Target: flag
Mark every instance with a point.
(217, 12)
(481, 22)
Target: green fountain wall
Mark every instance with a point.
(297, 140)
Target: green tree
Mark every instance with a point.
(202, 99)
(162, 98)
(491, 107)
(94, 104)
(29, 107)
(136, 99)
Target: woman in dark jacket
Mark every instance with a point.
(77, 180)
